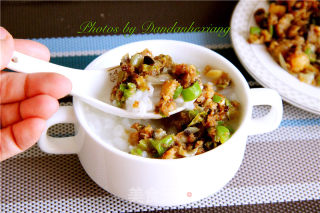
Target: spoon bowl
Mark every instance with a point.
(92, 86)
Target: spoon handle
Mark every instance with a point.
(27, 64)
(79, 78)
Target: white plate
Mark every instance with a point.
(259, 63)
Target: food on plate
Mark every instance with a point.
(291, 31)
(209, 124)
(155, 83)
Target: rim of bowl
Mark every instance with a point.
(244, 116)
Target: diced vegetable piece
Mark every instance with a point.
(177, 92)
(192, 92)
(128, 89)
(193, 113)
(308, 51)
(127, 93)
(163, 144)
(228, 103)
(121, 76)
(143, 144)
(223, 81)
(222, 134)
(191, 129)
(136, 151)
(136, 60)
(282, 62)
(255, 30)
(312, 56)
(271, 30)
(222, 86)
(199, 118)
(160, 79)
(186, 153)
(216, 98)
(214, 74)
(124, 91)
(131, 86)
(233, 111)
(146, 67)
(122, 87)
(150, 69)
(220, 123)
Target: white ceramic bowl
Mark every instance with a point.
(160, 182)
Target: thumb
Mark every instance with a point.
(6, 47)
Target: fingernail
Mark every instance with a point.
(3, 33)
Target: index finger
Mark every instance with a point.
(19, 86)
(32, 48)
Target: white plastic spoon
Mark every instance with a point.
(83, 84)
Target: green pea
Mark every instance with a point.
(122, 87)
(255, 30)
(127, 89)
(216, 98)
(163, 144)
(127, 93)
(192, 92)
(136, 151)
(177, 92)
(222, 134)
(143, 144)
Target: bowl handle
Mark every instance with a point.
(272, 120)
(65, 145)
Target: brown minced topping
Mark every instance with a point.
(142, 68)
(199, 130)
(291, 31)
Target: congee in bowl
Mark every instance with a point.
(146, 82)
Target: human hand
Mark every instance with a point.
(27, 100)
